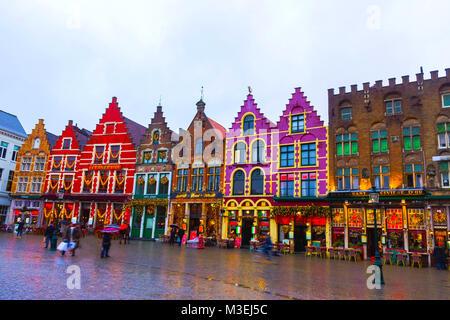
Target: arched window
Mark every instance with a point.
(156, 137)
(257, 183)
(249, 125)
(239, 183)
(37, 143)
(240, 153)
(258, 150)
(199, 146)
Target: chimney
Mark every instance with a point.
(159, 109)
(70, 123)
(434, 75)
(379, 84)
(447, 71)
(114, 99)
(405, 79)
(392, 82)
(354, 88)
(41, 121)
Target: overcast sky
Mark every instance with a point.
(64, 60)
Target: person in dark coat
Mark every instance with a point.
(106, 244)
(180, 236)
(21, 224)
(76, 236)
(49, 234)
(440, 256)
(173, 234)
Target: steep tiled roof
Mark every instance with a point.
(218, 127)
(51, 138)
(11, 123)
(82, 136)
(136, 131)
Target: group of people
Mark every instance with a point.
(174, 234)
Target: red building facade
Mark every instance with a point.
(61, 178)
(96, 191)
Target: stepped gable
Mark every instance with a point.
(251, 107)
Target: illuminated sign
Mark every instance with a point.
(104, 167)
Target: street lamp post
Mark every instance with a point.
(374, 199)
(55, 232)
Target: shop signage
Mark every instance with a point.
(104, 167)
(390, 193)
(195, 195)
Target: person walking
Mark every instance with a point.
(441, 259)
(106, 245)
(75, 237)
(20, 226)
(127, 234)
(66, 238)
(180, 236)
(173, 234)
(268, 246)
(49, 234)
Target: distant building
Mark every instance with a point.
(12, 136)
(395, 138)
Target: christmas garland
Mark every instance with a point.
(68, 165)
(86, 181)
(99, 215)
(152, 180)
(57, 166)
(53, 186)
(147, 156)
(311, 211)
(103, 183)
(120, 182)
(112, 154)
(97, 156)
(68, 187)
(140, 180)
(139, 204)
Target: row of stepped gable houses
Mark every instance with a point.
(300, 181)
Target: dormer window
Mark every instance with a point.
(346, 113)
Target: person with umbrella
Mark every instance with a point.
(106, 242)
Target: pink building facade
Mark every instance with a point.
(276, 176)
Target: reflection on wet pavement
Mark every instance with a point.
(152, 270)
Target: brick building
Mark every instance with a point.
(153, 179)
(197, 189)
(393, 137)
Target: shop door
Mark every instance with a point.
(247, 224)
(371, 241)
(136, 226)
(160, 222)
(84, 217)
(299, 238)
(194, 223)
(148, 226)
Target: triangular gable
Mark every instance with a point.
(262, 123)
(299, 104)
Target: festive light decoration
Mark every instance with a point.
(68, 187)
(152, 180)
(311, 211)
(100, 215)
(70, 166)
(57, 164)
(120, 182)
(164, 180)
(112, 154)
(140, 180)
(53, 185)
(103, 182)
(97, 156)
(87, 177)
(147, 156)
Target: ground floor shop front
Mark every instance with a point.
(149, 218)
(28, 209)
(197, 216)
(404, 223)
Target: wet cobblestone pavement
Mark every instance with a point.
(153, 270)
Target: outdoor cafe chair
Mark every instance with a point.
(309, 251)
(388, 257)
(354, 254)
(341, 253)
(402, 258)
(415, 259)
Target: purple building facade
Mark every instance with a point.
(292, 157)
